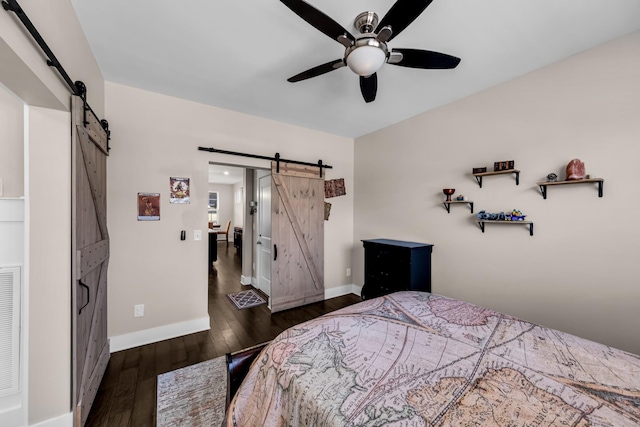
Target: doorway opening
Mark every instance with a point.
(238, 214)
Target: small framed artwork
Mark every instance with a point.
(179, 190)
(148, 206)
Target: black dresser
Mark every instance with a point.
(394, 265)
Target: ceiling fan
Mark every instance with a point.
(367, 52)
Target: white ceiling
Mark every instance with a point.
(223, 174)
(238, 54)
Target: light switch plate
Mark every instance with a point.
(197, 234)
(138, 310)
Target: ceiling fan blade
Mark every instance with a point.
(401, 14)
(369, 87)
(316, 71)
(416, 58)
(320, 21)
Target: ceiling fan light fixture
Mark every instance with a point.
(366, 56)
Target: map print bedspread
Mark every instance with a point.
(419, 359)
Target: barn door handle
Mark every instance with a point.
(275, 252)
(88, 296)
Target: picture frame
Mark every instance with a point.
(148, 206)
(179, 190)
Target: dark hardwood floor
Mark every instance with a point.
(127, 394)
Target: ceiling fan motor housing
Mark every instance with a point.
(366, 22)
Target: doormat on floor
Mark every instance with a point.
(246, 299)
(193, 396)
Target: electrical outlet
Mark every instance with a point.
(138, 310)
(348, 272)
(197, 235)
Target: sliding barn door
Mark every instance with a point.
(297, 236)
(90, 249)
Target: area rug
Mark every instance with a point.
(193, 396)
(246, 299)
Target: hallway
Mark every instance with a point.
(127, 394)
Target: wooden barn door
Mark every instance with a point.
(297, 236)
(90, 250)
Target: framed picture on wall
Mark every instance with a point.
(179, 190)
(148, 206)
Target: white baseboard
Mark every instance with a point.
(161, 333)
(246, 281)
(342, 290)
(11, 417)
(65, 420)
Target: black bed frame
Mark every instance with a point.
(238, 365)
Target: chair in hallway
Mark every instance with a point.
(225, 232)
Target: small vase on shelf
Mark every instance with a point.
(448, 192)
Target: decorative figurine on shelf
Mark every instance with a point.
(575, 170)
(484, 215)
(448, 192)
(552, 177)
(460, 198)
(516, 215)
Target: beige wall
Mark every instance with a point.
(11, 146)
(47, 189)
(238, 207)
(580, 271)
(155, 137)
(49, 261)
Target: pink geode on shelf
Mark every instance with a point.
(575, 170)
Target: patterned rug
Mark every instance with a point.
(246, 299)
(193, 396)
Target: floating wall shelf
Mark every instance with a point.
(482, 222)
(481, 174)
(543, 185)
(449, 203)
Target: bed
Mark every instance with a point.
(420, 359)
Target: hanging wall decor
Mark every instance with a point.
(179, 190)
(327, 210)
(334, 188)
(148, 206)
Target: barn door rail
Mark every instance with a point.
(77, 88)
(275, 158)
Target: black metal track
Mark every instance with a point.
(77, 88)
(276, 158)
